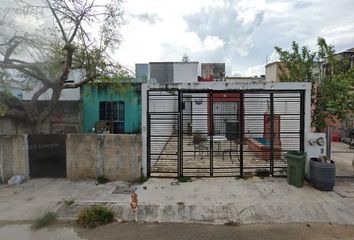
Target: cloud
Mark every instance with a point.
(339, 34)
(212, 43)
(234, 23)
(273, 57)
(146, 17)
(228, 22)
(255, 70)
(241, 33)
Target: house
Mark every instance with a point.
(106, 110)
(222, 128)
(15, 87)
(179, 72)
(346, 59)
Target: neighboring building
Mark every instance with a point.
(347, 56)
(212, 72)
(105, 110)
(14, 87)
(273, 72)
(180, 72)
(66, 117)
(141, 72)
(72, 94)
(173, 72)
(273, 69)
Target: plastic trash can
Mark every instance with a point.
(296, 168)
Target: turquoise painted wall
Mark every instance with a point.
(91, 98)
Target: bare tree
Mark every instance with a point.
(186, 58)
(68, 35)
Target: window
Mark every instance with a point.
(113, 113)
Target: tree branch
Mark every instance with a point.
(29, 69)
(79, 19)
(51, 106)
(39, 92)
(78, 84)
(58, 21)
(11, 49)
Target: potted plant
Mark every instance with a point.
(323, 173)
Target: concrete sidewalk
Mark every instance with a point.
(217, 201)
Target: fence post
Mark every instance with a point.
(211, 117)
(271, 134)
(242, 131)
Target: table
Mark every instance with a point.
(218, 139)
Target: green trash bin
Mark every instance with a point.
(296, 168)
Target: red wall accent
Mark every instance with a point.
(221, 97)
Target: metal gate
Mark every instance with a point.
(47, 156)
(210, 133)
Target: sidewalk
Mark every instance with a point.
(217, 201)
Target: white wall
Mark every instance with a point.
(271, 72)
(66, 94)
(185, 72)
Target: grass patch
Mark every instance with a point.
(184, 179)
(95, 216)
(247, 176)
(44, 221)
(180, 203)
(142, 179)
(69, 202)
(102, 180)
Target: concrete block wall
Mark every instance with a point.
(13, 156)
(116, 156)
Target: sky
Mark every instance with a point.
(240, 33)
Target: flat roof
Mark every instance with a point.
(173, 62)
(232, 86)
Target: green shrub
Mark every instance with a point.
(184, 179)
(69, 202)
(142, 179)
(95, 216)
(44, 221)
(102, 179)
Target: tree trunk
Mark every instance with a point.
(36, 128)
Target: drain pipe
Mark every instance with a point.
(329, 142)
